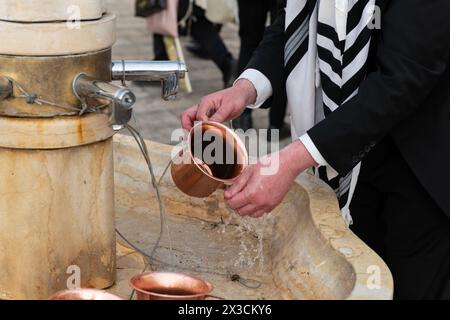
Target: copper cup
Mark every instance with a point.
(84, 294)
(198, 174)
(171, 286)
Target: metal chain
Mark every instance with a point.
(32, 98)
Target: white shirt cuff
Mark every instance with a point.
(261, 83)
(317, 156)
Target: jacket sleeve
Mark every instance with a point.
(413, 53)
(268, 59)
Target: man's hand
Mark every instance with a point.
(254, 194)
(221, 106)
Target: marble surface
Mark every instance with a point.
(50, 10)
(57, 38)
(302, 250)
(56, 219)
(54, 133)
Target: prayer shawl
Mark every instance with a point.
(326, 50)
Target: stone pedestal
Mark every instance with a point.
(56, 173)
(56, 206)
(50, 10)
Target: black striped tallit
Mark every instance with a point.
(326, 49)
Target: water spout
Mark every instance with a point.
(168, 72)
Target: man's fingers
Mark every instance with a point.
(238, 185)
(205, 110)
(258, 214)
(238, 201)
(220, 115)
(188, 117)
(247, 210)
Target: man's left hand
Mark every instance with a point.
(258, 191)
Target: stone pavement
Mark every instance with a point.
(157, 118)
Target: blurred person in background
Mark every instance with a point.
(206, 35)
(253, 21)
(197, 50)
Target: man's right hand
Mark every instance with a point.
(221, 106)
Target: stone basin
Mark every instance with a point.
(301, 250)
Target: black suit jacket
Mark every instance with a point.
(406, 94)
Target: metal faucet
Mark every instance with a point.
(168, 72)
(121, 98)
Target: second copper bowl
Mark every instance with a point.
(170, 286)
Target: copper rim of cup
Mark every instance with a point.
(156, 274)
(240, 147)
(84, 294)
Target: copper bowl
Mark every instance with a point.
(198, 174)
(84, 294)
(170, 286)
